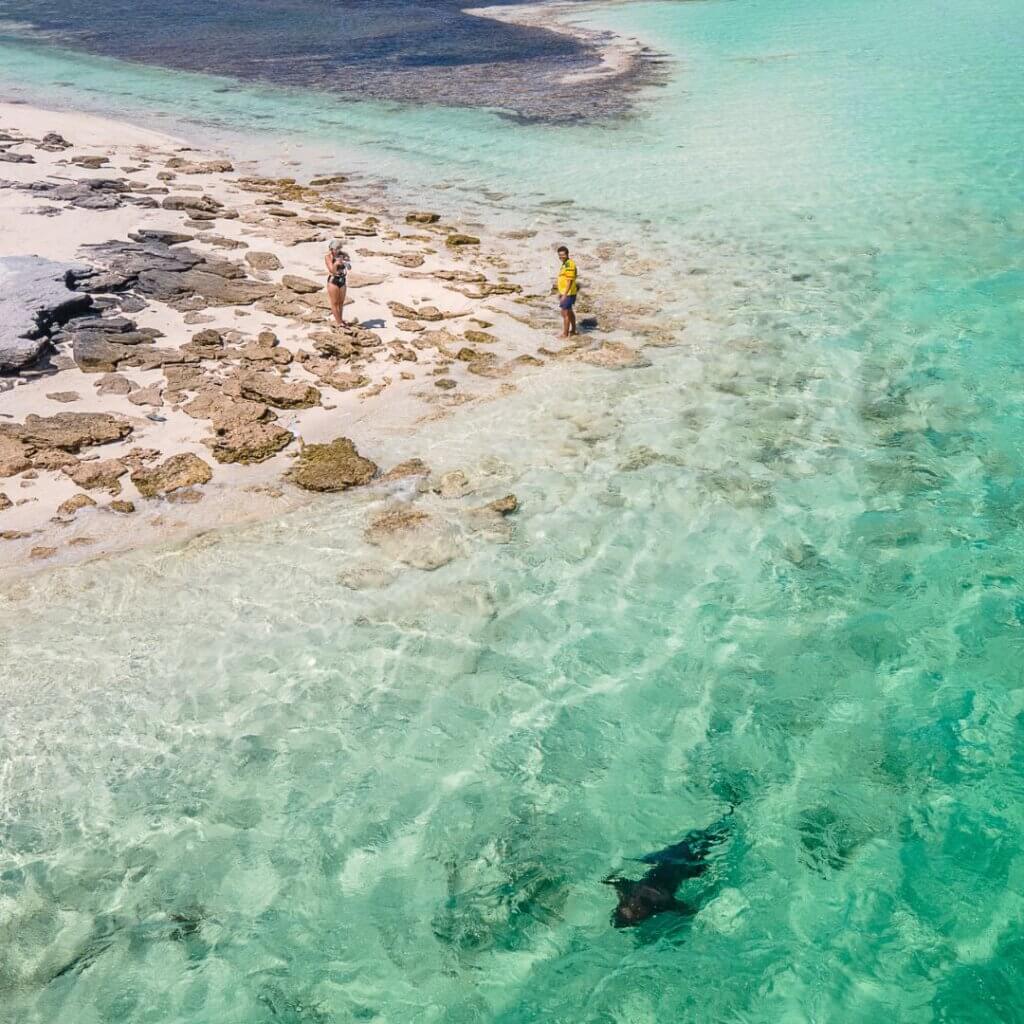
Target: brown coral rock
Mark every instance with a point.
(276, 391)
(300, 285)
(248, 443)
(262, 260)
(105, 473)
(332, 467)
(73, 504)
(182, 470)
(68, 430)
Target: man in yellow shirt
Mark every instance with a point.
(568, 288)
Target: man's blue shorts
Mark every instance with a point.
(567, 302)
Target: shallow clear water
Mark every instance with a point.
(779, 568)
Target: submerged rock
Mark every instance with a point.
(336, 466)
(453, 484)
(411, 467)
(184, 470)
(502, 506)
(614, 355)
(412, 536)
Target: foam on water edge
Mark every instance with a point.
(778, 567)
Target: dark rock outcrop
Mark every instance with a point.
(35, 299)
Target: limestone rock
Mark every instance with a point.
(262, 260)
(41, 551)
(5, 502)
(183, 166)
(361, 280)
(471, 355)
(301, 285)
(422, 217)
(502, 506)
(191, 203)
(408, 313)
(224, 412)
(453, 484)
(125, 508)
(614, 355)
(397, 520)
(34, 299)
(461, 276)
(329, 373)
(151, 396)
(336, 466)
(411, 467)
(458, 239)
(53, 143)
(68, 430)
(73, 504)
(52, 458)
(412, 536)
(273, 390)
(479, 337)
(182, 378)
(95, 353)
(407, 259)
(93, 162)
(249, 442)
(103, 474)
(184, 470)
(213, 288)
(65, 397)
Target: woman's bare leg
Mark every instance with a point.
(336, 296)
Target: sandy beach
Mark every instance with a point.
(197, 369)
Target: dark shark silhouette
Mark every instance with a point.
(655, 893)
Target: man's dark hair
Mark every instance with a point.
(563, 248)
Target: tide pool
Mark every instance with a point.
(778, 569)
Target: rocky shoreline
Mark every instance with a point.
(165, 340)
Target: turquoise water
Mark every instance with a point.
(779, 568)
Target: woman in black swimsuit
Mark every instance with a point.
(338, 265)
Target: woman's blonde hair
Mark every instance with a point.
(337, 245)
